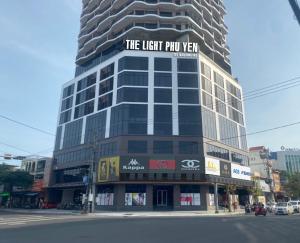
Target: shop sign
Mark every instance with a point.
(108, 169)
(162, 164)
(134, 163)
(225, 169)
(166, 46)
(190, 165)
(212, 166)
(240, 172)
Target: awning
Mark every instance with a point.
(31, 194)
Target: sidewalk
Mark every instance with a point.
(167, 214)
(39, 211)
(114, 214)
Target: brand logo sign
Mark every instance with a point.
(190, 165)
(225, 169)
(212, 166)
(240, 172)
(133, 165)
(167, 46)
(162, 165)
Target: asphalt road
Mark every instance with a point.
(233, 229)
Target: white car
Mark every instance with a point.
(284, 208)
(296, 206)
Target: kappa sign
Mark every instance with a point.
(133, 165)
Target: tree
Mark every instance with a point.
(293, 186)
(11, 178)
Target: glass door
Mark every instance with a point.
(162, 198)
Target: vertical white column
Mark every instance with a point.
(83, 130)
(62, 136)
(107, 125)
(115, 87)
(175, 97)
(150, 128)
(97, 92)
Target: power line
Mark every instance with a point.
(15, 147)
(26, 125)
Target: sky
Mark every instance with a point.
(38, 44)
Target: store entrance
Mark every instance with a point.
(163, 197)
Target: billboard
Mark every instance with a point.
(163, 165)
(212, 166)
(108, 169)
(189, 165)
(240, 172)
(225, 169)
(135, 199)
(190, 199)
(134, 164)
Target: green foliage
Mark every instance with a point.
(14, 178)
(293, 186)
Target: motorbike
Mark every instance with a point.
(260, 210)
(247, 209)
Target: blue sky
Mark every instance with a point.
(38, 45)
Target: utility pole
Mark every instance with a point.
(89, 202)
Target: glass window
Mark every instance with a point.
(129, 119)
(107, 71)
(233, 90)
(234, 102)
(108, 149)
(133, 78)
(162, 64)
(86, 82)
(68, 91)
(228, 132)
(219, 79)
(163, 120)
(85, 95)
(84, 109)
(220, 93)
(188, 96)
(95, 127)
(105, 101)
(163, 147)
(65, 117)
(221, 107)
(58, 138)
(132, 95)
(72, 135)
(162, 95)
(187, 65)
(133, 63)
(207, 100)
(239, 158)
(188, 147)
(67, 103)
(163, 79)
(209, 124)
(190, 123)
(106, 86)
(206, 70)
(217, 152)
(188, 80)
(206, 85)
(139, 147)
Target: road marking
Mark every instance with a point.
(251, 237)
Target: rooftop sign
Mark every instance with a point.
(167, 46)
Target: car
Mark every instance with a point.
(284, 208)
(296, 206)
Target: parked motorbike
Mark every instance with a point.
(260, 210)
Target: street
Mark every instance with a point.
(78, 229)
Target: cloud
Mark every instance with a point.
(56, 60)
(73, 5)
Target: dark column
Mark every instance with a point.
(149, 197)
(204, 189)
(216, 197)
(176, 197)
(119, 199)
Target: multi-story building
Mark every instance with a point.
(287, 160)
(154, 106)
